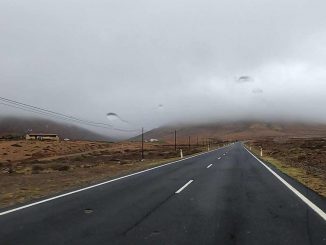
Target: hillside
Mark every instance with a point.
(19, 126)
(236, 131)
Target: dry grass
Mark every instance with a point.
(30, 178)
(302, 159)
(17, 151)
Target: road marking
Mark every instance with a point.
(219, 158)
(313, 206)
(209, 165)
(102, 183)
(183, 187)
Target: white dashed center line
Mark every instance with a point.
(210, 165)
(183, 187)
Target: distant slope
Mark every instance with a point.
(236, 131)
(20, 125)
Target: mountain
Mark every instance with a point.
(236, 131)
(19, 126)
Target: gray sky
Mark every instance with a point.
(160, 61)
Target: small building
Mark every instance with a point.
(38, 136)
(153, 140)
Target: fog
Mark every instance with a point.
(157, 62)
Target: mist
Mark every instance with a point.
(160, 62)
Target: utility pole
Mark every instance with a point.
(189, 142)
(142, 143)
(175, 140)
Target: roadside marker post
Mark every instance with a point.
(261, 151)
(181, 154)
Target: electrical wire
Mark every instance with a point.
(60, 116)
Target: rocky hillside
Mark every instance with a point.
(237, 131)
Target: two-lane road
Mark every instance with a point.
(222, 197)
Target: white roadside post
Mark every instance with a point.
(261, 151)
(181, 154)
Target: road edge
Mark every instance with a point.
(11, 210)
(303, 198)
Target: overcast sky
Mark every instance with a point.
(160, 61)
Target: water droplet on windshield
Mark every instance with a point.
(114, 117)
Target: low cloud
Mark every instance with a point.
(258, 91)
(202, 60)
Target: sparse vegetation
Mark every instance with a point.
(60, 167)
(37, 169)
(302, 159)
(73, 164)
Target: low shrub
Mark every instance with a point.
(60, 167)
(37, 169)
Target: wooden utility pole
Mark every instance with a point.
(175, 140)
(189, 142)
(142, 143)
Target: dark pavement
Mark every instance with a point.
(235, 201)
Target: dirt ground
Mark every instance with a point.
(34, 169)
(301, 158)
(16, 151)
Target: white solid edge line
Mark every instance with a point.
(183, 187)
(209, 165)
(102, 183)
(313, 206)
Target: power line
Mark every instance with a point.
(50, 112)
(61, 116)
(46, 114)
(57, 115)
(54, 116)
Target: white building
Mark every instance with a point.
(35, 136)
(153, 140)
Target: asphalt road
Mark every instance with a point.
(222, 197)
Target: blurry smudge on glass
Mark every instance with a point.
(244, 79)
(114, 117)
